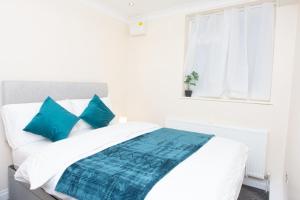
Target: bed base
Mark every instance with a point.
(21, 191)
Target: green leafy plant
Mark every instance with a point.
(191, 80)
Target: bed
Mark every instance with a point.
(214, 172)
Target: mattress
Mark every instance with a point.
(214, 172)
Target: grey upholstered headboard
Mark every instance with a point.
(36, 91)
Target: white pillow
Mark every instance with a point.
(78, 107)
(16, 116)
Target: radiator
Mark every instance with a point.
(255, 139)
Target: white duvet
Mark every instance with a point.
(215, 172)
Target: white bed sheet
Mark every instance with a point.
(20, 154)
(215, 172)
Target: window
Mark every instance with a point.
(232, 51)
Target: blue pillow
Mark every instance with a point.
(53, 121)
(97, 114)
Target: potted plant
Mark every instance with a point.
(190, 80)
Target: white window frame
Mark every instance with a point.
(188, 18)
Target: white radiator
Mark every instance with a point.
(255, 139)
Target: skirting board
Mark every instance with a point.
(256, 183)
(4, 194)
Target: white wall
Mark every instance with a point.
(59, 40)
(293, 141)
(67, 41)
(155, 86)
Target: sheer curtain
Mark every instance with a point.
(237, 64)
(232, 52)
(206, 53)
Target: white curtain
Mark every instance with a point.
(237, 65)
(206, 53)
(260, 49)
(232, 52)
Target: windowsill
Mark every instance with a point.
(228, 100)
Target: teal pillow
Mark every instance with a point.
(53, 121)
(97, 114)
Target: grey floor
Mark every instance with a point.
(249, 193)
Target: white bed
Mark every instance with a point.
(215, 172)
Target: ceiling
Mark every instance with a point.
(144, 7)
(122, 10)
